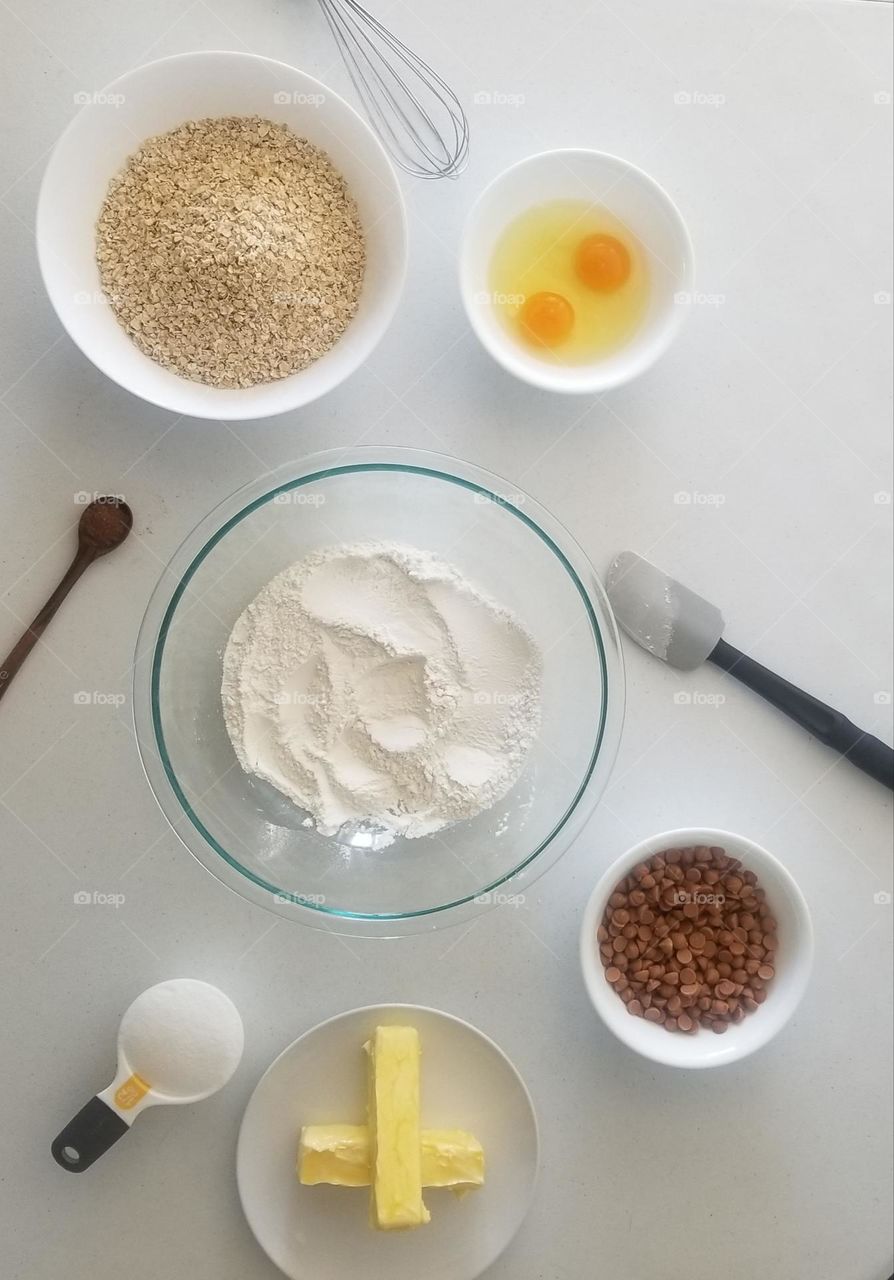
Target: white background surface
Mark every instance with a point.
(777, 400)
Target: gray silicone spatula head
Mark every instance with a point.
(661, 614)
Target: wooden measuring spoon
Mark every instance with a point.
(103, 526)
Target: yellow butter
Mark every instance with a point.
(395, 1140)
(334, 1154)
(452, 1158)
(338, 1155)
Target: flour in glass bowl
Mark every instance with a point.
(372, 682)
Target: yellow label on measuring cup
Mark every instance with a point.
(129, 1094)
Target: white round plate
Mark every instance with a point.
(323, 1233)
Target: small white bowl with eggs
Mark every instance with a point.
(627, 198)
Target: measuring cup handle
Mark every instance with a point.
(89, 1135)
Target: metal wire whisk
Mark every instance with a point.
(416, 114)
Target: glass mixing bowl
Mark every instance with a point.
(251, 836)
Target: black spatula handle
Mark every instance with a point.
(89, 1135)
(827, 725)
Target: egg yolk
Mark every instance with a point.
(547, 318)
(602, 262)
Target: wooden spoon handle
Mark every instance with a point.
(30, 638)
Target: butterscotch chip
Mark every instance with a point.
(692, 962)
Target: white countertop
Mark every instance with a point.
(776, 398)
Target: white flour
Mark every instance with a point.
(184, 1037)
(373, 682)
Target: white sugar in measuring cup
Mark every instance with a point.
(180, 1041)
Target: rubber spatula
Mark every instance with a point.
(682, 629)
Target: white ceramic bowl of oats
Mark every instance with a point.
(155, 99)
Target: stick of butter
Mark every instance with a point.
(338, 1155)
(395, 1141)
